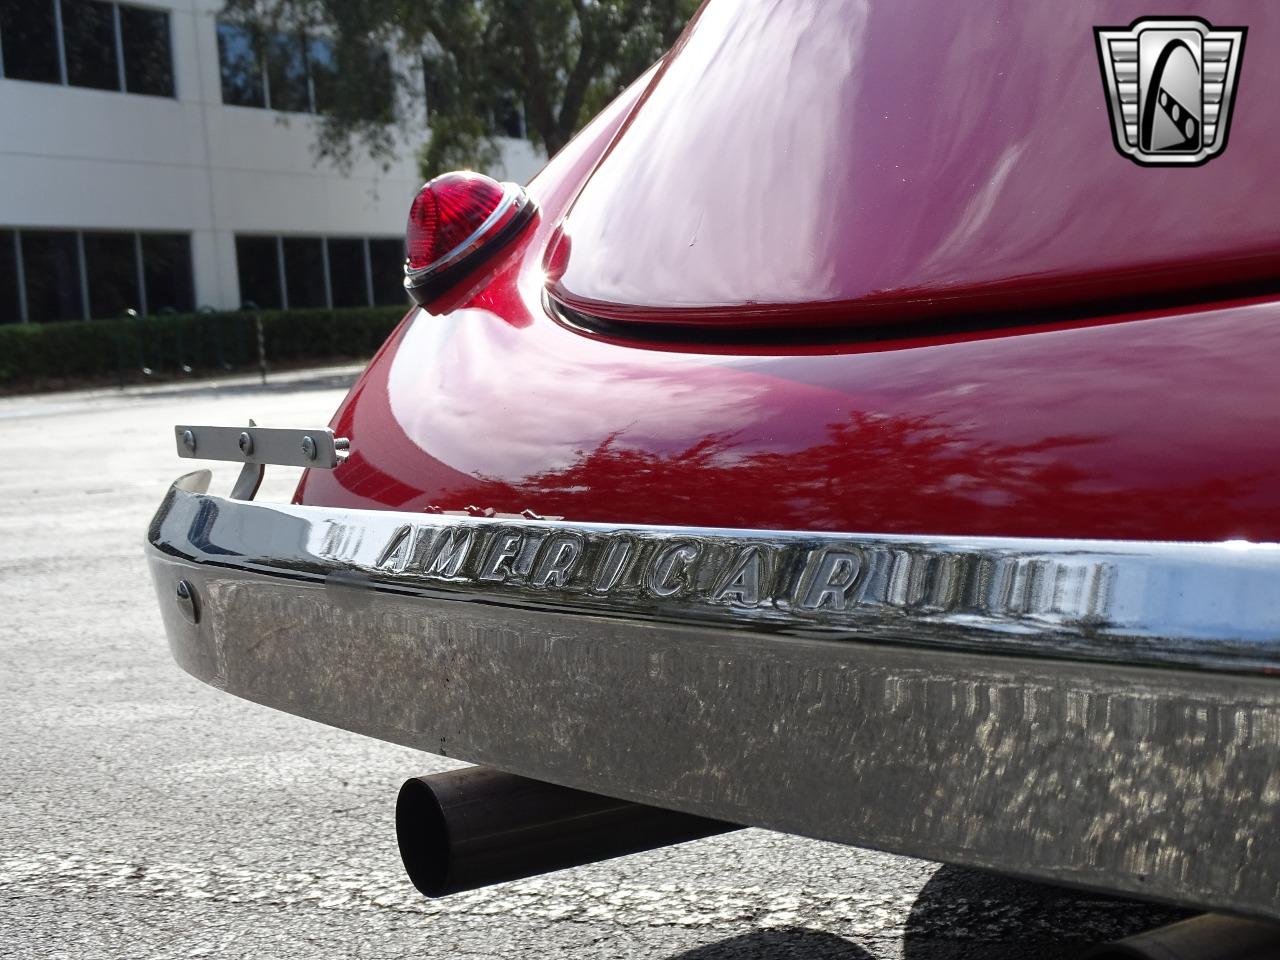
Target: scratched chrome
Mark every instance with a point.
(1156, 782)
(1206, 606)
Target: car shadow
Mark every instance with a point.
(791, 943)
(962, 913)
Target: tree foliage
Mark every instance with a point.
(473, 62)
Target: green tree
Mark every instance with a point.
(474, 62)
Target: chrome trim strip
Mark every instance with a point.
(1197, 605)
(1161, 783)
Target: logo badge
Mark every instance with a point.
(1170, 84)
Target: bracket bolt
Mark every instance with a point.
(187, 603)
(246, 444)
(189, 441)
(308, 447)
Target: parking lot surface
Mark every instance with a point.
(146, 815)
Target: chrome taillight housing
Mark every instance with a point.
(457, 221)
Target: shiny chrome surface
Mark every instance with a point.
(1156, 782)
(1206, 606)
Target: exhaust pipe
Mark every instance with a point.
(470, 828)
(1210, 936)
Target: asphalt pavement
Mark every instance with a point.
(143, 814)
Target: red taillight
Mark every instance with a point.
(456, 221)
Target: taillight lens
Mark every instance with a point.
(458, 220)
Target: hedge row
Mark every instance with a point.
(46, 355)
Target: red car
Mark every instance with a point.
(844, 435)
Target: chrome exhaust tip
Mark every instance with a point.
(475, 827)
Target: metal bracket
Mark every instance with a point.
(285, 447)
(256, 446)
(251, 474)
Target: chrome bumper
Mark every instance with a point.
(1085, 712)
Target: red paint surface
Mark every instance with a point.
(1142, 426)
(1156, 429)
(845, 162)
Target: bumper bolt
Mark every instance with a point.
(187, 604)
(246, 444)
(308, 447)
(189, 441)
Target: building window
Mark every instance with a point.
(148, 56)
(322, 68)
(287, 86)
(304, 272)
(300, 272)
(49, 275)
(111, 268)
(348, 279)
(377, 98)
(11, 310)
(87, 43)
(506, 116)
(386, 258)
(89, 38)
(167, 277)
(503, 114)
(241, 67)
(288, 71)
(439, 83)
(258, 265)
(29, 40)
